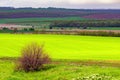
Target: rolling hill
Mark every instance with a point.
(10, 12)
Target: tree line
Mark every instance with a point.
(85, 24)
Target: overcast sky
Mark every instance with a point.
(101, 4)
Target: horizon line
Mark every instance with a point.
(60, 8)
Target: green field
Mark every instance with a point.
(60, 72)
(29, 20)
(64, 46)
(83, 54)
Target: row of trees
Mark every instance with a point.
(7, 30)
(85, 24)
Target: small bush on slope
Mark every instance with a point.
(33, 58)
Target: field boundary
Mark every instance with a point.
(111, 33)
(107, 63)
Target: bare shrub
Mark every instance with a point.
(33, 58)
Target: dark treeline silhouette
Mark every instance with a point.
(54, 8)
(85, 24)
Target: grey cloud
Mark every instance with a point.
(62, 3)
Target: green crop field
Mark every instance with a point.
(26, 20)
(60, 47)
(64, 46)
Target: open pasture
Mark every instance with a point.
(64, 46)
(70, 47)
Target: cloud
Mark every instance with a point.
(109, 1)
(93, 1)
(62, 3)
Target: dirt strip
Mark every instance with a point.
(110, 63)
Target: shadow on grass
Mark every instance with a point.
(44, 68)
(48, 67)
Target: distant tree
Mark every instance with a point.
(62, 28)
(31, 29)
(15, 30)
(4, 28)
(85, 27)
(51, 27)
(25, 29)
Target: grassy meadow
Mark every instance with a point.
(60, 71)
(64, 46)
(67, 52)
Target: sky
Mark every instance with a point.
(78, 4)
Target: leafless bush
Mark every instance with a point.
(33, 58)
